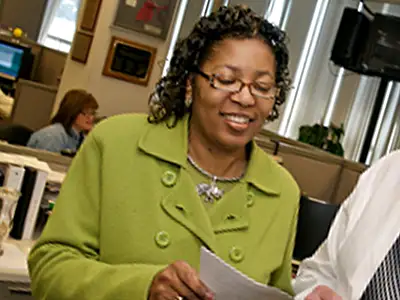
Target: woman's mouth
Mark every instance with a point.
(238, 122)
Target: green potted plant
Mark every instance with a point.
(323, 137)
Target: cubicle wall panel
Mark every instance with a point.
(316, 178)
(348, 181)
(50, 66)
(33, 104)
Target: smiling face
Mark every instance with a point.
(228, 119)
(85, 120)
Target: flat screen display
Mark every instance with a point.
(10, 61)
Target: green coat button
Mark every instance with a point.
(236, 254)
(250, 199)
(168, 178)
(162, 239)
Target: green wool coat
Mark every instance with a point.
(128, 208)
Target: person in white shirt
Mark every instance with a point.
(360, 259)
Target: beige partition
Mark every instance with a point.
(50, 65)
(56, 161)
(319, 174)
(33, 104)
(348, 179)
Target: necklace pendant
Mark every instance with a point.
(210, 192)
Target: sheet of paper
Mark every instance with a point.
(229, 284)
(56, 177)
(13, 265)
(132, 3)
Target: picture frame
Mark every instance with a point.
(129, 61)
(81, 46)
(90, 15)
(152, 17)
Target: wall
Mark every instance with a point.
(27, 14)
(114, 96)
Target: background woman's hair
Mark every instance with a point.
(73, 103)
(236, 22)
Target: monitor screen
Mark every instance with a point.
(10, 61)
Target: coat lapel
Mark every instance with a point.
(231, 214)
(170, 144)
(185, 207)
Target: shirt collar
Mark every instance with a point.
(75, 134)
(171, 144)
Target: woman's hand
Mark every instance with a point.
(179, 281)
(323, 292)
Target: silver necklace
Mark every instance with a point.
(210, 190)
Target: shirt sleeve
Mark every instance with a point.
(65, 263)
(321, 268)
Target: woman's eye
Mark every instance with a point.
(262, 87)
(225, 80)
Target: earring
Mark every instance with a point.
(270, 116)
(188, 102)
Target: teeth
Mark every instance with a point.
(238, 119)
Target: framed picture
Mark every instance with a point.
(81, 46)
(152, 17)
(90, 15)
(129, 61)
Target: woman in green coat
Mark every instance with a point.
(144, 193)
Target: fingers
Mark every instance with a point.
(322, 292)
(185, 292)
(190, 279)
(178, 280)
(313, 296)
(162, 286)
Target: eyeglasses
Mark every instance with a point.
(235, 85)
(89, 113)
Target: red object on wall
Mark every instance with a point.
(146, 13)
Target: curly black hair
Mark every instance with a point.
(239, 22)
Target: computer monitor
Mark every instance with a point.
(11, 58)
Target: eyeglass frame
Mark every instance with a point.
(89, 113)
(210, 78)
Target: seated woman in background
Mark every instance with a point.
(145, 193)
(74, 118)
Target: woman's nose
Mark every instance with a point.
(244, 97)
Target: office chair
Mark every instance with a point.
(15, 134)
(314, 222)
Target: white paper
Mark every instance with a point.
(56, 177)
(13, 265)
(227, 283)
(132, 3)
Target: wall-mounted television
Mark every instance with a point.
(368, 46)
(382, 53)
